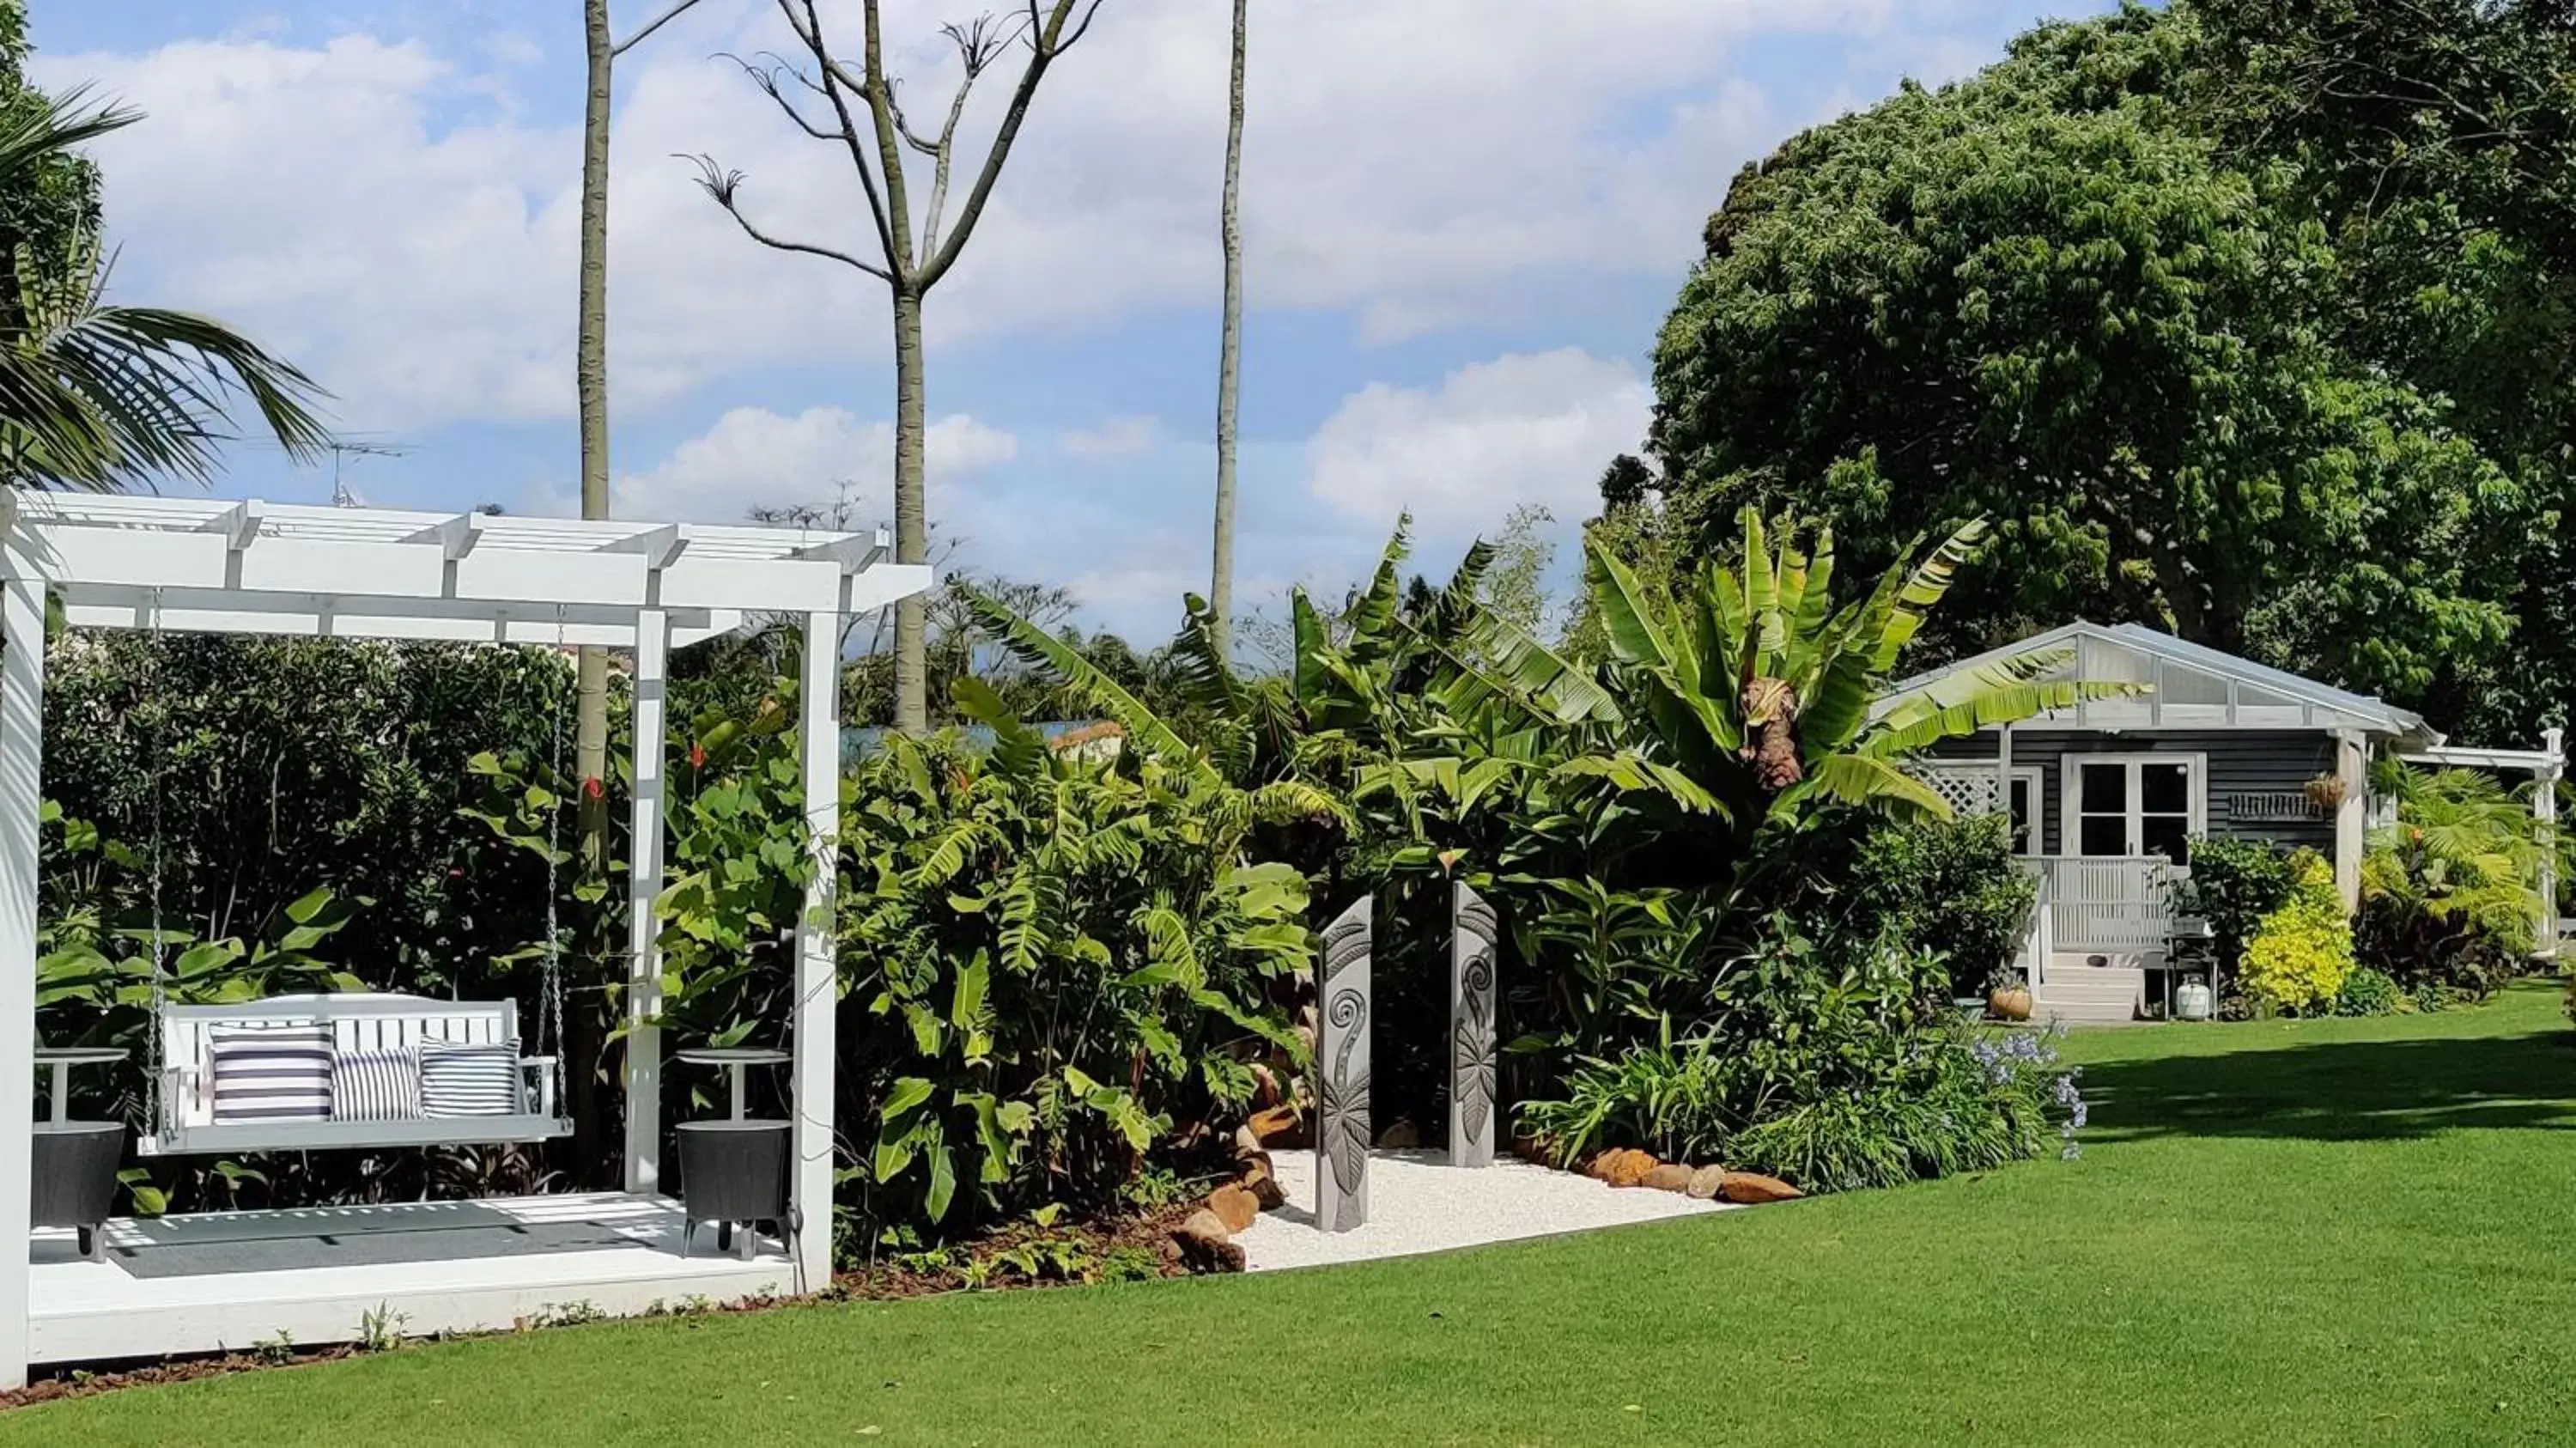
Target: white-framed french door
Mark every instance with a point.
(2131, 806)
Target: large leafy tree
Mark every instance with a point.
(2101, 294)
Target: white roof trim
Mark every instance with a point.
(2319, 706)
(209, 564)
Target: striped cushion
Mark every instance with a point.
(469, 1080)
(375, 1085)
(277, 1073)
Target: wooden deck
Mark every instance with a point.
(225, 1281)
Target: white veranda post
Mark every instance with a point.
(199, 565)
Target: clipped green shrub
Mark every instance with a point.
(2369, 992)
(2302, 951)
(2235, 885)
(1951, 888)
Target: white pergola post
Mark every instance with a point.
(22, 740)
(651, 747)
(817, 969)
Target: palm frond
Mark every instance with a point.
(1372, 617)
(1632, 774)
(1085, 681)
(1875, 783)
(1923, 590)
(1626, 614)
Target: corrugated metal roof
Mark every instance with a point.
(2356, 711)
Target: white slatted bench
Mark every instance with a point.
(358, 1022)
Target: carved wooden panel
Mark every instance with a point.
(1472, 1107)
(1342, 1133)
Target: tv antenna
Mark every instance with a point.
(341, 452)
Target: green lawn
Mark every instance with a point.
(2338, 1232)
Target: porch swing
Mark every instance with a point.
(354, 1069)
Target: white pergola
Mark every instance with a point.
(247, 567)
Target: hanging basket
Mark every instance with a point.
(2325, 793)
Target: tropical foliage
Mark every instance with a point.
(1659, 830)
(1049, 967)
(100, 396)
(2449, 893)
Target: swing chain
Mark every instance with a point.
(550, 1004)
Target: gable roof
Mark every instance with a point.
(2187, 686)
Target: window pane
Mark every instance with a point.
(2165, 835)
(2164, 788)
(2104, 835)
(2106, 788)
(2021, 816)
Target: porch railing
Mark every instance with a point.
(2108, 903)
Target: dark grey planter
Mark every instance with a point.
(733, 1172)
(74, 1176)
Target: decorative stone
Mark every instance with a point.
(1401, 1136)
(1206, 1245)
(1472, 933)
(1753, 1188)
(1262, 1180)
(1342, 1071)
(1622, 1166)
(1278, 1126)
(1234, 1206)
(1707, 1182)
(1670, 1177)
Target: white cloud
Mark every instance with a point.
(1420, 165)
(1519, 429)
(1119, 437)
(302, 193)
(755, 458)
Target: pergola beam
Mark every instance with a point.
(659, 547)
(454, 538)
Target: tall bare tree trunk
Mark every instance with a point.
(854, 108)
(590, 374)
(1229, 374)
(911, 515)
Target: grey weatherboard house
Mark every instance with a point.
(2105, 797)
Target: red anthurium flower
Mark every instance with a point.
(697, 756)
(593, 789)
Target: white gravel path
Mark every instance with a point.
(1420, 1203)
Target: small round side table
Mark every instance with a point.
(73, 1168)
(733, 1170)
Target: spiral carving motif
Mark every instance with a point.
(1472, 1073)
(1342, 1059)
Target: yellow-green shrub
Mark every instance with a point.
(2301, 953)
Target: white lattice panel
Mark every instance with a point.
(1970, 789)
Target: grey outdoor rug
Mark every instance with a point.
(363, 1248)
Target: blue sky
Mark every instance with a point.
(1465, 219)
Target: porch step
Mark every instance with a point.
(2089, 993)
